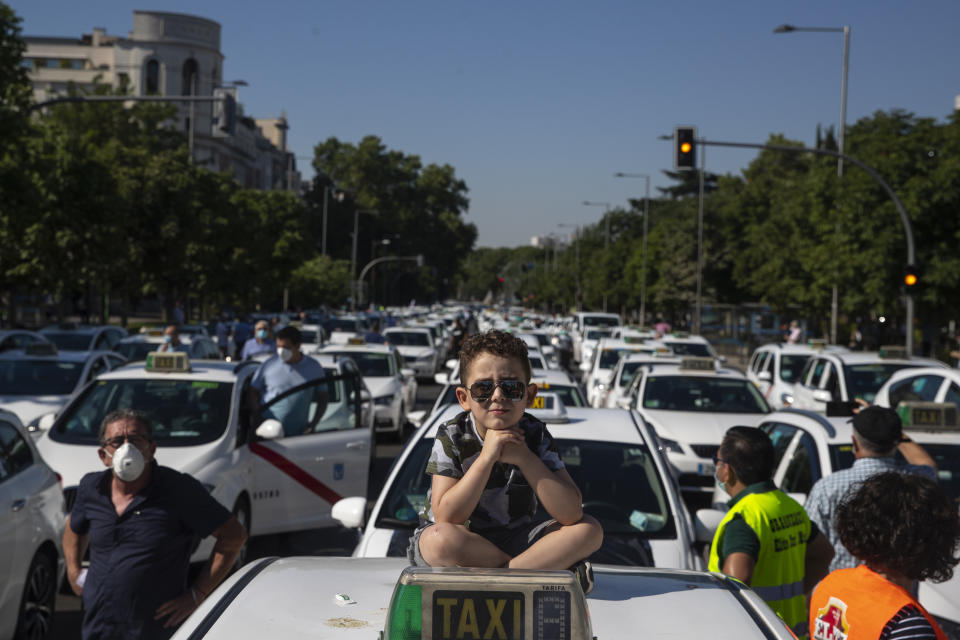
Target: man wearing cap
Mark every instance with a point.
(877, 436)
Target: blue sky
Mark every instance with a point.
(537, 104)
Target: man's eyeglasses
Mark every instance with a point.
(717, 458)
(482, 390)
(136, 440)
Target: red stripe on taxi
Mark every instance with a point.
(295, 472)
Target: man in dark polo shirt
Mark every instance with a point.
(141, 521)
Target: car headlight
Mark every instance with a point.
(600, 386)
(383, 401)
(786, 398)
(670, 445)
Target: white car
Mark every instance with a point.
(383, 598)
(845, 377)
(613, 457)
(275, 476)
(691, 406)
(41, 380)
(598, 372)
(686, 344)
(393, 387)
(775, 369)
(933, 384)
(417, 347)
(585, 344)
(809, 446)
(618, 391)
(31, 524)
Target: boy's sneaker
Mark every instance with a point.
(583, 570)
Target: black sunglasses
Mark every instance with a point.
(513, 390)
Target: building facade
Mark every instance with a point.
(171, 54)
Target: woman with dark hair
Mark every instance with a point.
(902, 528)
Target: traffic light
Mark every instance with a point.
(911, 277)
(684, 148)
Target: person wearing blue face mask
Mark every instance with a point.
(172, 342)
(261, 342)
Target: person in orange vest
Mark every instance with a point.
(902, 528)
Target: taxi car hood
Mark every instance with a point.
(698, 427)
(28, 408)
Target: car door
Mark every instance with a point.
(803, 468)
(298, 477)
(16, 529)
(784, 437)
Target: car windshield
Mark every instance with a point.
(619, 481)
(536, 362)
(791, 366)
(374, 365)
(183, 412)
(136, 350)
(408, 338)
(690, 349)
(342, 324)
(68, 341)
(629, 372)
(309, 336)
(596, 334)
(702, 393)
(544, 340)
(864, 380)
(600, 321)
(39, 377)
(610, 357)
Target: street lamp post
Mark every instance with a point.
(353, 255)
(606, 236)
(643, 253)
(845, 30)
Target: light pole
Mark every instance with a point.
(643, 251)
(606, 237)
(845, 30)
(576, 242)
(353, 255)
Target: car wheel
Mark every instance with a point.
(39, 596)
(241, 511)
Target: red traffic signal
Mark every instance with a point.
(685, 148)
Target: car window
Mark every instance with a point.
(69, 341)
(15, 455)
(915, 389)
(819, 367)
(953, 394)
(832, 383)
(39, 377)
(629, 372)
(183, 412)
(805, 374)
(690, 349)
(325, 404)
(791, 367)
(781, 435)
(114, 337)
(98, 366)
(755, 361)
(864, 380)
(408, 338)
(769, 362)
(803, 469)
(374, 365)
(103, 341)
(947, 458)
(702, 393)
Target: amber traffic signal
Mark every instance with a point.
(910, 277)
(685, 148)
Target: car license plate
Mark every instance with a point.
(459, 615)
(705, 468)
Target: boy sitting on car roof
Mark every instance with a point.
(491, 465)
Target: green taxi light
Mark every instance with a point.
(404, 619)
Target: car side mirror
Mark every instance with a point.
(822, 395)
(270, 429)
(46, 421)
(706, 523)
(416, 417)
(765, 376)
(585, 367)
(350, 512)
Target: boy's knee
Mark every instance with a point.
(440, 541)
(595, 531)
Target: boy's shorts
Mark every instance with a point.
(512, 542)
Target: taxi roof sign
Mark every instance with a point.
(695, 363)
(460, 603)
(817, 343)
(163, 362)
(549, 408)
(894, 351)
(356, 340)
(40, 349)
(929, 416)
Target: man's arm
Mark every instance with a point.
(913, 453)
(816, 562)
(230, 538)
(739, 565)
(74, 546)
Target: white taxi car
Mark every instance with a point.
(612, 456)
(274, 475)
(417, 346)
(685, 344)
(691, 406)
(383, 598)
(846, 377)
(393, 387)
(41, 379)
(618, 392)
(31, 523)
(585, 344)
(775, 368)
(598, 372)
(809, 446)
(934, 384)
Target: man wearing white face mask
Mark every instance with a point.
(289, 368)
(140, 521)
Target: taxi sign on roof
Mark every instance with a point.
(454, 603)
(162, 362)
(356, 340)
(929, 416)
(698, 363)
(894, 351)
(40, 349)
(817, 343)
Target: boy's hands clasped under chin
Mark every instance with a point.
(506, 445)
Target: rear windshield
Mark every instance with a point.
(702, 393)
(374, 365)
(408, 338)
(39, 377)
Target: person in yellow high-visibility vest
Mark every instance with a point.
(766, 539)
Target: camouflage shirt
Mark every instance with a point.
(507, 501)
